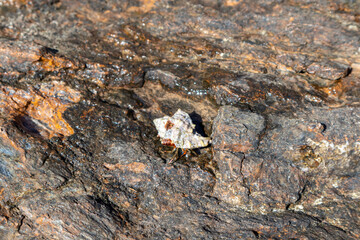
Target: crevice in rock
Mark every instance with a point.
(26, 125)
(301, 192)
(244, 180)
(263, 132)
(257, 235)
(300, 196)
(64, 183)
(21, 222)
(44, 159)
(117, 214)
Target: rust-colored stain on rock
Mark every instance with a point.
(40, 111)
(144, 6)
(135, 167)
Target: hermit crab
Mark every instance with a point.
(179, 131)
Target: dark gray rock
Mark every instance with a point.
(81, 82)
(237, 131)
(329, 70)
(257, 184)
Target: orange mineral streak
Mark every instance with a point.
(51, 63)
(145, 6)
(231, 3)
(44, 106)
(45, 221)
(135, 167)
(16, 3)
(237, 147)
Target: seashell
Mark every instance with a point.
(179, 131)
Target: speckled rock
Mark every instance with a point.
(82, 81)
(246, 180)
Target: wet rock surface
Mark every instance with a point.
(275, 84)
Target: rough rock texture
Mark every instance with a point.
(276, 84)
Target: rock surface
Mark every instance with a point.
(275, 84)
